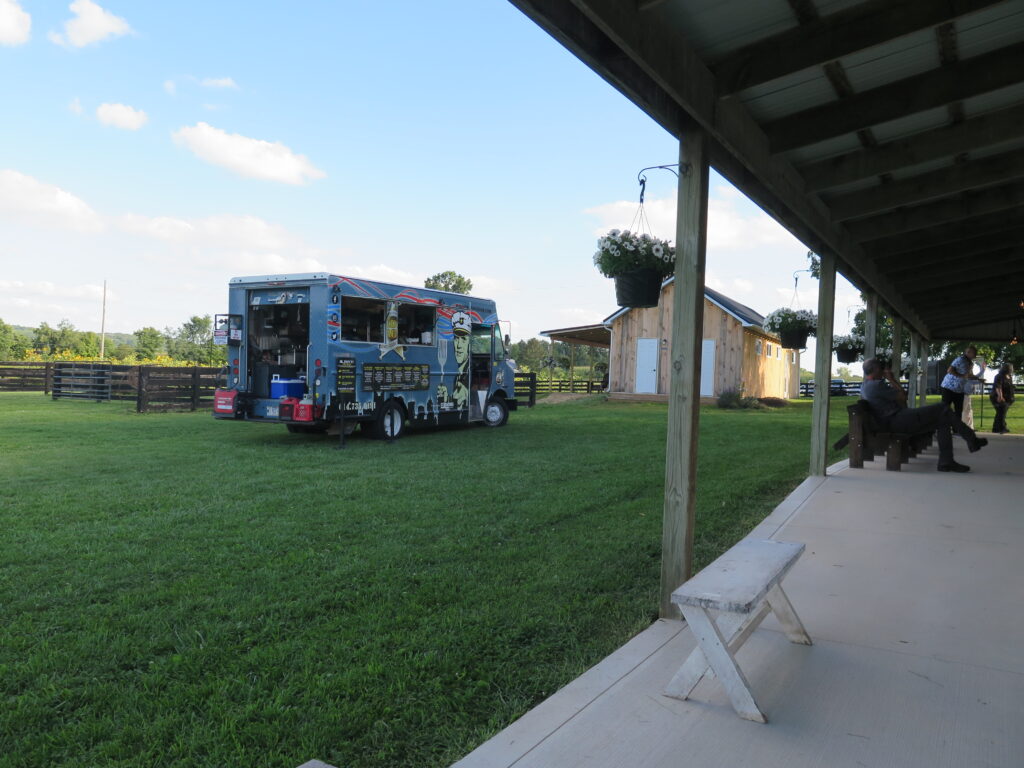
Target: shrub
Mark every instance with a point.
(733, 398)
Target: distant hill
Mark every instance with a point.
(113, 339)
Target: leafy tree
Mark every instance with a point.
(52, 341)
(193, 341)
(86, 344)
(12, 345)
(149, 342)
(449, 281)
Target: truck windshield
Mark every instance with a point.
(480, 343)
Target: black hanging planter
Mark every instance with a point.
(847, 355)
(794, 339)
(639, 288)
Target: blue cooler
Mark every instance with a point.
(286, 387)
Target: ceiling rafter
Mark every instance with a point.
(943, 182)
(936, 278)
(832, 37)
(949, 141)
(934, 88)
(965, 206)
(988, 243)
(948, 235)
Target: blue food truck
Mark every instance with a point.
(321, 352)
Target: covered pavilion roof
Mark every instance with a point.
(597, 335)
(886, 132)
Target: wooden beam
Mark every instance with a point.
(870, 324)
(948, 141)
(940, 331)
(980, 290)
(897, 344)
(823, 365)
(830, 37)
(684, 381)
(738, 147)
(1007, 268)
(934, 88)
(923, 216)
(961, 238)
(943, 182)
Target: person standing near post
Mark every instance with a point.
(954, 384)
(1002, 397)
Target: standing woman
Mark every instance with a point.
(954, 384)
(1002, 397)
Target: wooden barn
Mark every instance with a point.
(738, 354)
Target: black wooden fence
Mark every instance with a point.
(151, 387)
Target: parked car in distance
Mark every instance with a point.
(837, 387)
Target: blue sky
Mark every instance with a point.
(166, 147)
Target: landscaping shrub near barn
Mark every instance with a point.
(180, 591)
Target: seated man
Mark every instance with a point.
(888, 403)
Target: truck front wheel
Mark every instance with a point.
(496, 412)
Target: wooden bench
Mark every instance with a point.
(743, 585)
(866, 440)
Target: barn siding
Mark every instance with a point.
(736, 363)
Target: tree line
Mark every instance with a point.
(191, 342)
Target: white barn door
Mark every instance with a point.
(646, 366)
(707, 368)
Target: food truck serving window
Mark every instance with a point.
(415, 324)
(362, 319)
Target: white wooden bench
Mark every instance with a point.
(743, 585)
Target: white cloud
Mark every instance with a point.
(252, 158)
(75, 106)
(91, 24)
(121, 116)
(218, 82)
(15, 23)
(45, 204)
(170, 88)
(223, 231)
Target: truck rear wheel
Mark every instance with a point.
(390, 424)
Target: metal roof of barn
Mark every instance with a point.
(886, 132)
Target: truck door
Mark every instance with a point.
(480, 370)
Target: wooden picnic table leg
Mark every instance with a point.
(720, 659)
(736, 628)
(786, 614)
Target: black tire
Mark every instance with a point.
(390, 422)
(496, 412)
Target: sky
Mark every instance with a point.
(167, 147)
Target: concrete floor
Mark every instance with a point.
(912, 588)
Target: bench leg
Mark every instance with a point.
(736, 628)
(786, 614)
(716, 651)
(893, 455)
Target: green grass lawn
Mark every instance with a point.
(180, 591)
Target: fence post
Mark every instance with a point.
(195, 388)
(47, 378)
(141, 400)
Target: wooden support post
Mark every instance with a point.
(195, 387)
(915, 362)
(684, 372)
(922, 372)
(897, 345)
(823, 364)
(142, 398)
(870, 325)
(572, 367)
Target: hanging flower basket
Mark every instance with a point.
(848, 347)
(639, 288)
(637, 263)
(796, 339)
(792, 325)
(846, 355)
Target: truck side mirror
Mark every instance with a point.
(508, 340)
